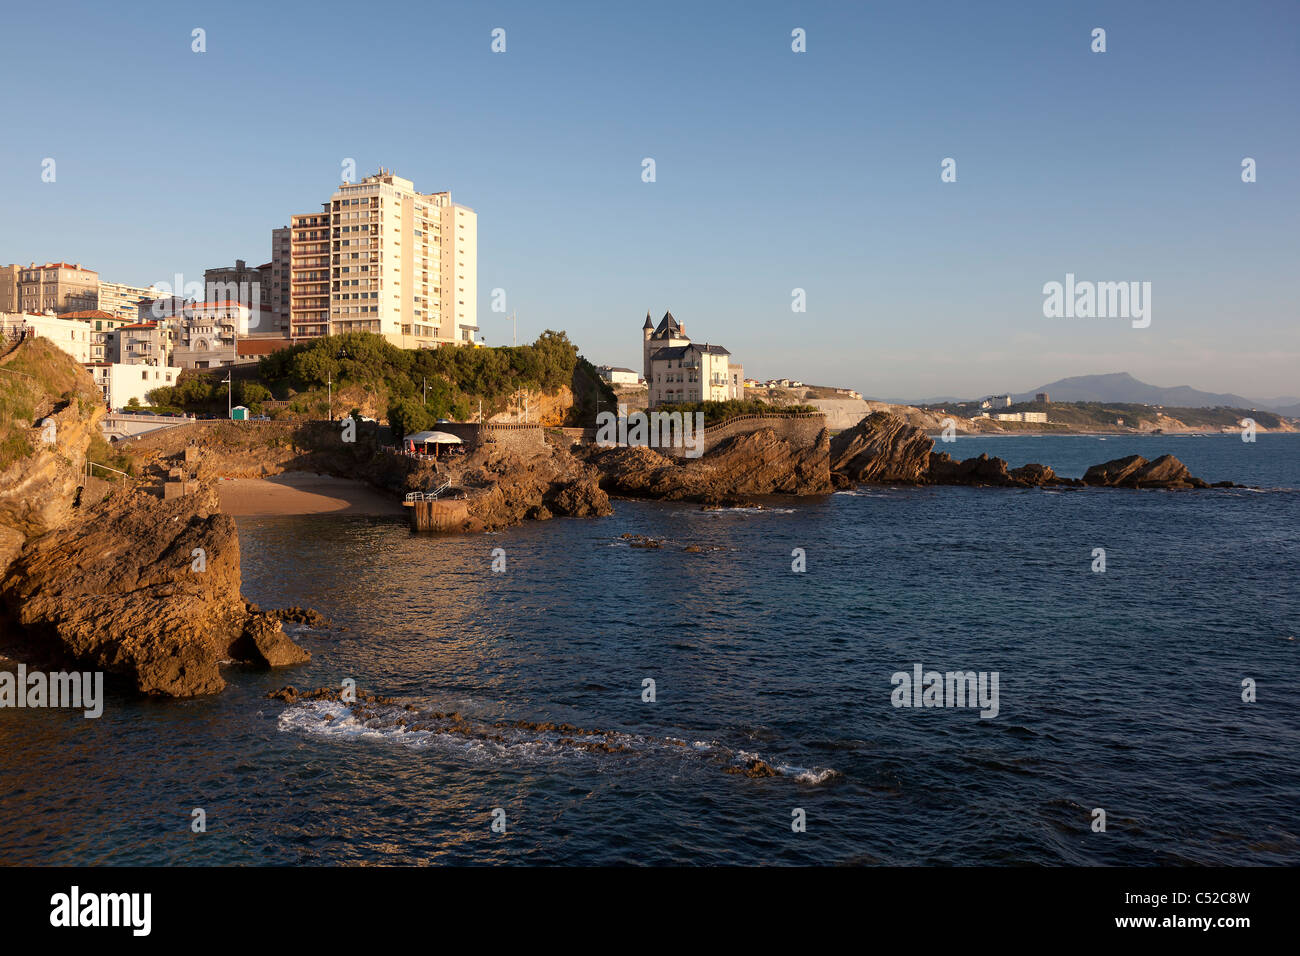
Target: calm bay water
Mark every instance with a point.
(1118, 690)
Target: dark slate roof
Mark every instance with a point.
(679, 351)
(667, 324)
(648, 323)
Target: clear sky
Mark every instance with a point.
(775, 170)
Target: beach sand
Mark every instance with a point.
(303, 493)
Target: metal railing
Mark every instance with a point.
(428, 495)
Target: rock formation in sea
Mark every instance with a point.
(883, 448)
(141, 587)
(506, 485)
(759, 462)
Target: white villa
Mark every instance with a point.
(678, 370)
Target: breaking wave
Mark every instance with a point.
(518, 741)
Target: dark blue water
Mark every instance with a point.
(1118, 690)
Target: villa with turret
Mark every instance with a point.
(678, 370)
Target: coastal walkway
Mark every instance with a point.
(126, 425)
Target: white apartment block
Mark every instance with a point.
(124, 301)
(120, 383)
(401, 264)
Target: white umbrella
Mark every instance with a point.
(433, 438)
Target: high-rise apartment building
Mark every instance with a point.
(57, 287)
(401, 264)
(124, 300)
(275, 279)
(309, 274)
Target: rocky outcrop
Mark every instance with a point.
(755, 463)
(145, 589)
(1136, 472)
(881, 447)
(984, 470)
(62, 409)
(505, 485)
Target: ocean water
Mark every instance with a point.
(1119, 690)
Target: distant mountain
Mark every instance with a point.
(1123, 387)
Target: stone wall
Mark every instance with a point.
(801, 430)
(519, 436)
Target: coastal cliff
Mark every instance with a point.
(145, 589)
(142, 587)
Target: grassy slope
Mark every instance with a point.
(36, 378)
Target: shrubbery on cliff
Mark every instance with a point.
(715, 412)
(447, 381)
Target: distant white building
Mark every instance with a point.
(618, 376)
(678, 370)
(119, 383)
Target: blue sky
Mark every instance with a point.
(775, 170)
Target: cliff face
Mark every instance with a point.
(145, 589)
(755, 463)
(38, 478)
(139, 587)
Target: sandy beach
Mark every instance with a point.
(303, 493)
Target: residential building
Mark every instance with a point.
(105, 340)
(234, 284)
(403, 264)
(119, 383)
(275, 279)
(618, 376)
(678, 370)
(309, 274)
(387, 259)
(207, 333)
(1042, 397)
(165, 307)
(71, 335)
(145, 343)
(124, 300)
(1040, 417)
(57, 287)
(9, 301)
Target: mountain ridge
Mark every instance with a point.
(1125, 388)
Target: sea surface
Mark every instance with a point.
(1118, 690)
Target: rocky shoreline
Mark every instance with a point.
(883, 449)
(146, 586)
(125, 580)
